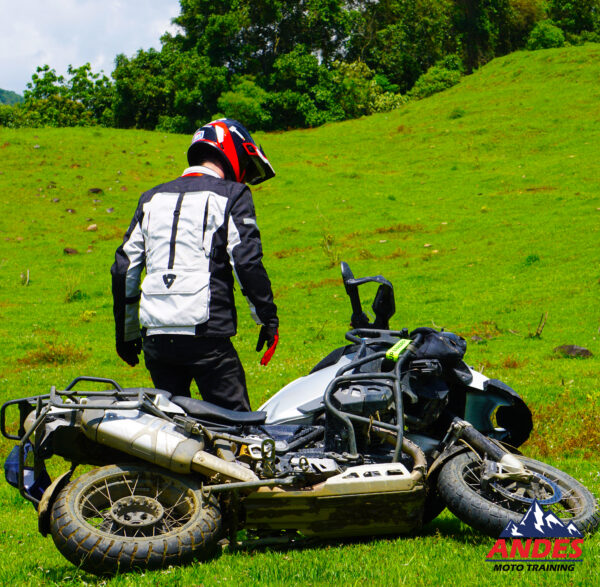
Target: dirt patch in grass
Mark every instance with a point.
(511, 362)
(484, 330)
(399, 228)
(396, 228)
(398, 254)
(330, 281)
(53, 354)
(542, 188)
(560, 430)
(111, 233)
(289, 253)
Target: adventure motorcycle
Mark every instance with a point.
(379, 438)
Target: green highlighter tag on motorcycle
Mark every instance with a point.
(394, 352)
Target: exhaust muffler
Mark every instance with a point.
(159, 442)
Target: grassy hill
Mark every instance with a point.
(8, 97)
(480, 204)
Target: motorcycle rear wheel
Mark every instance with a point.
(490, 509)
(121, 517)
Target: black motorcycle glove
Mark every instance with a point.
(269, 335)
(129, 350)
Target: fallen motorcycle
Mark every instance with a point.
(379, 438)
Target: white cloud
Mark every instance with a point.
(63, 32)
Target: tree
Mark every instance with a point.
(166, 83)
(94, 91)
(45, 84)
(52, 100)
(576, 16)
(248, 36)
(401, 39)
(246, 101)
(302, 91)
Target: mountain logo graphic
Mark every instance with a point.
(540, 541)
(537, 523)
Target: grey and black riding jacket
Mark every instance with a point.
(191, 235)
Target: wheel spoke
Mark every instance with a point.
(136, 504)
(108, 496)
(130, 508)
(137, 478)
(517, 496)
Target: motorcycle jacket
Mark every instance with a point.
(191, 235)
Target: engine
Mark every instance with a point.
(372, 400)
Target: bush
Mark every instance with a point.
(437, 79)
(303, 93)
(386, 101)
(173, 124)
(584, 37)
(545, 35)
(246, 102)
(361, 92)
(11, 116)
(56, 111)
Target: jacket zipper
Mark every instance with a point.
(176, 214)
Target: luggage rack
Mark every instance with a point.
(66, 399)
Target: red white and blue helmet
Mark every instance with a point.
(232, 145)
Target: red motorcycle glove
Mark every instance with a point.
(269, 335)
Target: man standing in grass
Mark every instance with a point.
(192, 235)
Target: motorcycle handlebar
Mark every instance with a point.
(357, 335)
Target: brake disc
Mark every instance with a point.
(517, 491)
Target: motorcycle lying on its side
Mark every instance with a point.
(379, 438)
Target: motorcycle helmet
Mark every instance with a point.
(232, 145)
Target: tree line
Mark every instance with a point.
(278, 64)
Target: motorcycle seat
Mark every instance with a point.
(198, 408)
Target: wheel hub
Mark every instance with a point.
(137, 511)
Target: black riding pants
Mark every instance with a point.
(213, 363)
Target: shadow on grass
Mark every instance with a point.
(60, 574)
(442, 528)
(453, 529)
(450, 529)
(68, 573)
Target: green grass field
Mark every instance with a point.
(480, 204)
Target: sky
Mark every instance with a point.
(63, 32)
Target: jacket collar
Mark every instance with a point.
(199, 169)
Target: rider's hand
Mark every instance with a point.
(129, 350)
(269, 335)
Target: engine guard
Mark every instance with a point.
(355, 503)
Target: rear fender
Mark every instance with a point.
(48, 499)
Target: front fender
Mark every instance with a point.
(511, 412)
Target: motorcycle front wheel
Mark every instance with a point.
(489, 507)
(121, 517)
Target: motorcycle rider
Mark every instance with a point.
(192, 235)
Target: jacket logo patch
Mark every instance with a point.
(169, 278)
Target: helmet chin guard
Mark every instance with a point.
(230, 143)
